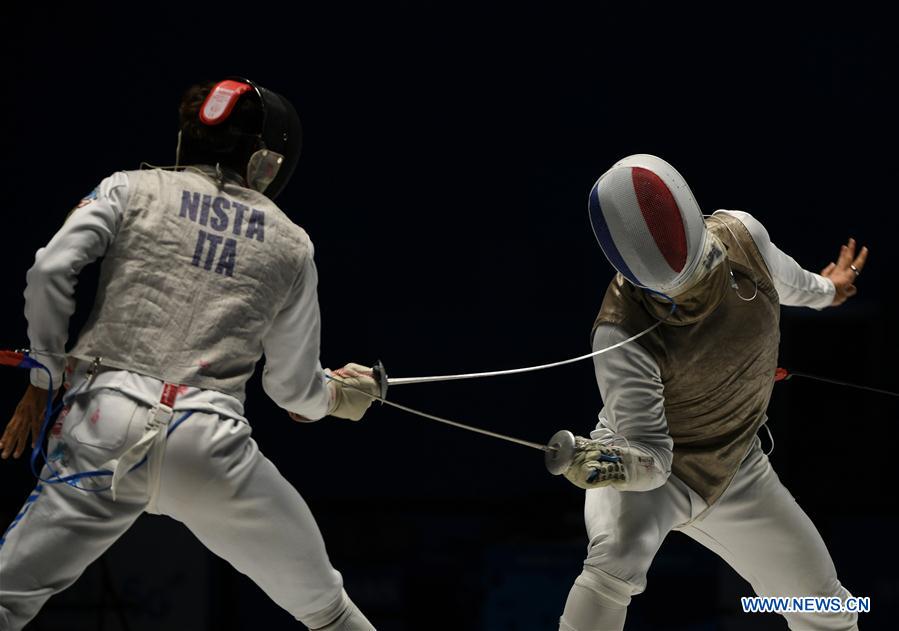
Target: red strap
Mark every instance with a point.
(11, 358)
(221, 100)
(781, 374)
(169, 394)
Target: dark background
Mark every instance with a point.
(448, 153)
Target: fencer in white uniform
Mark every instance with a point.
(202, 274)
(676, 446)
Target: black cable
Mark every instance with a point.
(840, 383)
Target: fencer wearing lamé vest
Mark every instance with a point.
(717, 355)
(193, 280)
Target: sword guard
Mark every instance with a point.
(560, 453)
(380, 375)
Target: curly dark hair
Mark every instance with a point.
(230, 143)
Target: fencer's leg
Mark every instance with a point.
(61, 530)
(238, 505)
(626, 530)
(597, 600)
(759, 530)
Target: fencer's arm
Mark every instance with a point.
(796, 287)
(634, 414)
(293, 377)
(50, 291)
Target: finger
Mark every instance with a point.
(18, 444)
(827, 270)
(859, 261)
(35, 430)
(845, 257)
(851, 290)
(9, 439)
(22, 439)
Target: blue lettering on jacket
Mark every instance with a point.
(208, 244)
(227, 259)
(220, 221)
(198, 250)
(239, 210)
(213, 212)
(190, 202)
(256, 225)
(213, 240)
(214, 252)
(204, 210)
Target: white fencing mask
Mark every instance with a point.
(650, 227)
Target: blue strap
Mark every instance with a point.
(39, 449)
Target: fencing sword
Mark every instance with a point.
(560, 450)
(780, 374)
(385, 381)
(557, 453)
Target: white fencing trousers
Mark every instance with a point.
(756, 527)
(213, 479)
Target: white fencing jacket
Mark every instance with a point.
(201, 276)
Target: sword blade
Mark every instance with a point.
(446, 421)
(470, 428)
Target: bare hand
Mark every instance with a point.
(27, 419)
(844, 272)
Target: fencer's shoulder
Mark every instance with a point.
(755, 227)
(112, 182)
(136, 175)
(290, 234)
(751, 227)
(621, 305)
(153, 180)
(117, 178)
(300, 233)
(620, 291)
(196, 177)
(112, 188)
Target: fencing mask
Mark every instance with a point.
(650, 227)
(274, 146)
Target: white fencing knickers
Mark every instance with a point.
(213, 479)
(756, 527)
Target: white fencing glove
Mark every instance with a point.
(596, 464)
(346, 399)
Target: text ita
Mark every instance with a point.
(217, 252)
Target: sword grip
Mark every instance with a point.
(380, 375)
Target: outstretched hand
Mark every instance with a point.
(845, 271)
(26, 420)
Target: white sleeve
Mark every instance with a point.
(796, 287)
(631, 387)
(50, 290)
(293, 376)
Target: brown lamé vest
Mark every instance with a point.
(717, 355)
